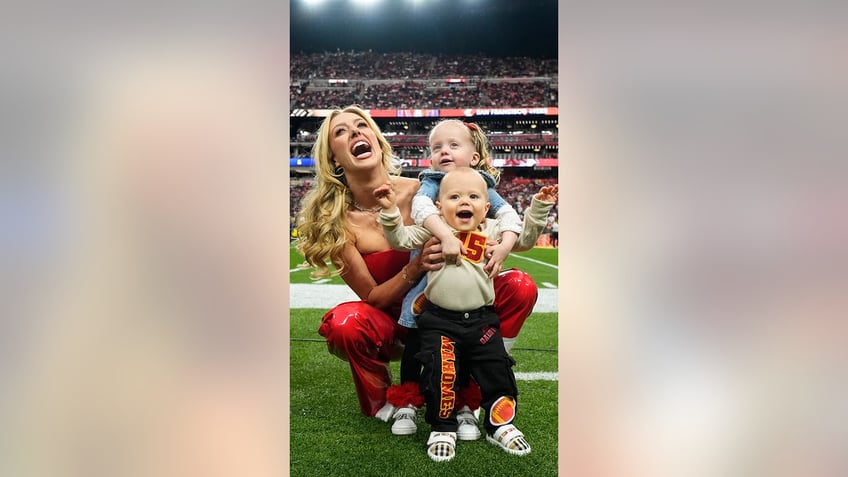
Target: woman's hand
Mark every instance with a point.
(431, 255)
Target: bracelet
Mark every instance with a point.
(405, 276)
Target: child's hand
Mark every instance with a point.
(453, 250)
(548, 193)
(497, 254)
(385, 195)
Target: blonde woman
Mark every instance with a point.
(338, 224)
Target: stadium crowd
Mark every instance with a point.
(420, 81)
(410, 94)
(417, 66)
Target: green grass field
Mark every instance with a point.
(527, 261)
(330, 437)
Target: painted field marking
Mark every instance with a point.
(534, 261)
(536, 376)
(310, 295)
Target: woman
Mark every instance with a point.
(338, 223)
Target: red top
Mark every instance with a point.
(384, 265)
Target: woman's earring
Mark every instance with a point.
(338, 173)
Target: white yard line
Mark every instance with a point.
(534, 261)
(326, 296)
(536, 376)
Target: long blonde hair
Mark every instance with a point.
(481, 145)
(322, 230)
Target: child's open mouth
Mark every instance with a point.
(465, 214)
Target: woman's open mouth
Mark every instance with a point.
(361, 149)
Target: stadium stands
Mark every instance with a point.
(524, 146)
(408, 80)
(420, 94)
(416, 66)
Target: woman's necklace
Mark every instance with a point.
(363, 209)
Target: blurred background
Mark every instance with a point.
(699, 150)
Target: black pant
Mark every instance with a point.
(410, 368)
(453, 344)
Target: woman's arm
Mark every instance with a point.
(383, 295)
